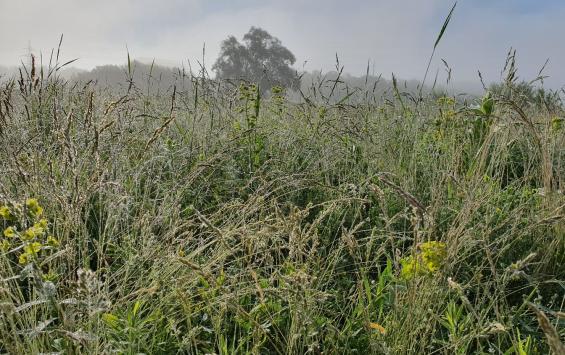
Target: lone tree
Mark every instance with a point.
(261, 59)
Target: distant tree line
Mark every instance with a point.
(261, 59)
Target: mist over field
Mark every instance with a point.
(390, 36)
(261, 177)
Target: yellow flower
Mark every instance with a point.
(42, 223)
(23, 259)
(430, 259)
(28, 234)
(6, 213)
(411, 267)
(433, 255)
(40, 226)
(52, 241)
(32, 232)
(30, 252)
(33, 248)
(9, 232)
(33, 206)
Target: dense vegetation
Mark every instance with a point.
(216, 220)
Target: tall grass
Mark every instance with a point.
(213, 220)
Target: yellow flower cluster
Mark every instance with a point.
(446, 101)
(429, 258)
(30, 252)
(6, 213)
(33, 207)
(25, 233)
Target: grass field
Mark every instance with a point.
(216, 220)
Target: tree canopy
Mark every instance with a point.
(261, 59)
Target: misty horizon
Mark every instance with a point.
(369, 35)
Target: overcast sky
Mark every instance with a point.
(394, 35)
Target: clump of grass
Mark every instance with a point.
(214, 220)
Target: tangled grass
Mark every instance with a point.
(213, 220)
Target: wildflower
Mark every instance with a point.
(52, 241)
(378, 327)
(6, 213)
(28, 234)
(30, 252)
(23, 258)
(32, 248)
(411, 267)
(33, 232)
(430, 259)
(433, 255)
(9, 232)
(33, 206)
(40, 227)
(446, 101)
(43, 223)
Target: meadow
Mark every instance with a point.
(212, 218)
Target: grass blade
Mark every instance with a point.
(445, 24)
(441, 33)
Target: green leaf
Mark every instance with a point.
(110, 319)
(136, 308)
(487, 105)
(477, 111)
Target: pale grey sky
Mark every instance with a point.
(394, 35)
